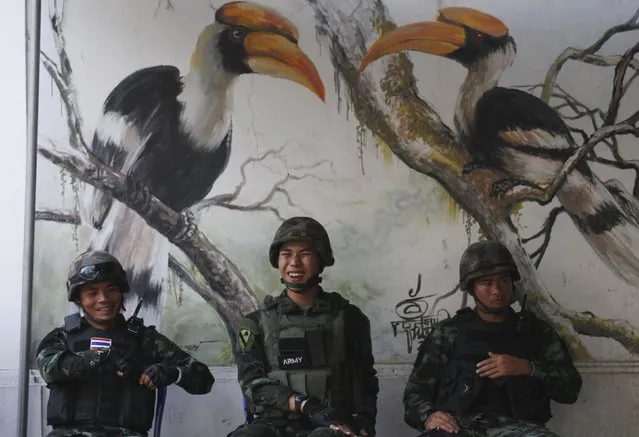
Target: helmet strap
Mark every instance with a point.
(302, 288)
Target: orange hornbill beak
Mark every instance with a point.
(271, 44)
(441, 37)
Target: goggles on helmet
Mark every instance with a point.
(97, 272)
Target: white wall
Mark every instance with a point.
(12, 177)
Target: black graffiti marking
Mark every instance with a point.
(415, 306)
(414, 322)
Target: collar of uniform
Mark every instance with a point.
(322, 304)
(120, 320)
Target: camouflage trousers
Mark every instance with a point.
(92, 431)
(268, 430)
(478, 426)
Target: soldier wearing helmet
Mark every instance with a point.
(489, 371)
(305, 362)
(102, 370)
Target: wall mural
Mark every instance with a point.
(184, 166)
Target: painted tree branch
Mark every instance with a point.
(227, 200)
(67, 217)
(417, 136)
(229, 292)
(63, 77)
(618, 83)
(588, 53)
(545, 231)
(620, 330)
(569, 165)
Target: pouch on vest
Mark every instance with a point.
(315, 339)
(459, 390)
(293, 350)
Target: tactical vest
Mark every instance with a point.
(101, 397)
(462, 390)
(306, 351)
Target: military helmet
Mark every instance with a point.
(485, 258)
(95, 266)
(306, 229)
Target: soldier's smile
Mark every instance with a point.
(298, 262)
(101, 301)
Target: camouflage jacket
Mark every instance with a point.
(57, 363)
(253, 365)
(554, 368)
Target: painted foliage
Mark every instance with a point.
(211, 123)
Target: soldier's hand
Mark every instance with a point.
(343, 429)
(321, 414)
(441, 420)
(498, 365)
(159, 375)
(364, 425)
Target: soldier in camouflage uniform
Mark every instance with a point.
(305, 362)
(489, 372)
(102, 371)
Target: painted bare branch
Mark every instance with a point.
(68, 217)
(618, 84)
(415, 133)
(619, 330)
(227, 200)
(546, 195)
(588, 54)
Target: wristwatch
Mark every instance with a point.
(299, 398)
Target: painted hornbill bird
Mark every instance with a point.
(171, 134)
(516, 132)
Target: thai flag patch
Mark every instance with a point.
(99, 342)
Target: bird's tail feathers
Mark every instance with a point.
(144, 254)
(608, 217)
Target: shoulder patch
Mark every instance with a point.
(247, 330)
(245, 339)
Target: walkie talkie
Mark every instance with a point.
(522, 314)
(134, 323)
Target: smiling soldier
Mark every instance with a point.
(305, 361)
(102, 370)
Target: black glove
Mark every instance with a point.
(162, 375)
(363, 422)
(321, 414)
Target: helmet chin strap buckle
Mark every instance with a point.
(302, 287)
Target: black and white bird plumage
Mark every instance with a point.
(518, 133)
(171, 134)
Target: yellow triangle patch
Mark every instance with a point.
(245, 339)
(246, 334)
